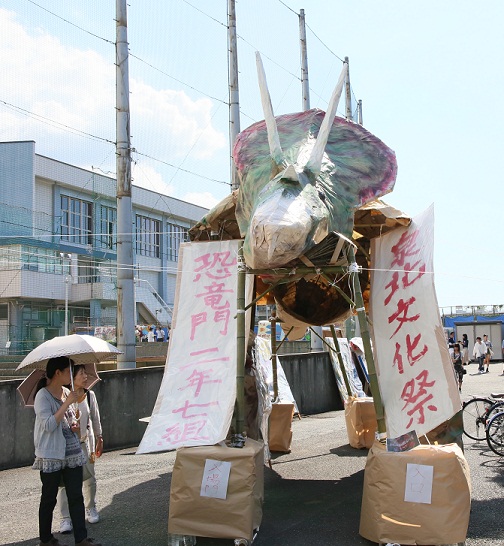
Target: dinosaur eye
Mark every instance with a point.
(321, 194)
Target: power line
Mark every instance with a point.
(54, 123)
(177, 80)
(288, 7)
(78, 132)
(325, 45)
(268, 57)
(70, 23)
(206, 14)
(132, 54)
(180, 168)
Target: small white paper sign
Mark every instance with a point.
(215, 479)
(419, 483)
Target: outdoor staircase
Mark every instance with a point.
(152, 303)
(8, 365)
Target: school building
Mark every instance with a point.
(58, 249)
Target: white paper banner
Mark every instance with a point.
(351, 372)
(263, 355)
(197, 395)
(415, 373)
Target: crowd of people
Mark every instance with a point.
(151, 334)
(459, 352)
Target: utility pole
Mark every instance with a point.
(125, 277)
(304, 62)
(348, 93)
(68, 279)
(234, 98)
(359, 112)
(315, 341)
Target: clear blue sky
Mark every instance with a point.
(430, 75)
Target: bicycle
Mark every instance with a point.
(477, 412)
(495, 433)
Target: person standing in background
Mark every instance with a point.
(457, 365)
(479, 353)
(502, 356)
(451, 343)
(159, 334)
(151, 338)
(91, 440)
(488, 353)
(465, 350)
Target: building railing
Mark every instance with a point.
(457, 310)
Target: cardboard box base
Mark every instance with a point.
(280, 427)
(360, 417)
(238, 514)
(387, 517)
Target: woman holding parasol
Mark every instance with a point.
(91, 439)
(58, 453)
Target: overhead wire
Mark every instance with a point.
(139, 153)
(180, 168)
(71, 23)
(102, 267)
(54, 123)
(181, 81)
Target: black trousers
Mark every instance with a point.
(72, 479)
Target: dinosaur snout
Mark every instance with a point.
(279, 230)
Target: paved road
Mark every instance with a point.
(313, 494)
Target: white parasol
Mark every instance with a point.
(82, 349)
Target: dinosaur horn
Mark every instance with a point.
(271, 126)
(314, 164)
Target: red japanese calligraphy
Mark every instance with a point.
(393, 285)
(182, 432)
(198, 379)
(213, 295)
(415, 394)
(404, 248)
(410, 347)
(398, 358)
(217, 265)
(401, 314)
(410, 269)
(196, 320)
(405, 279)
(187, 406)
(223, 316)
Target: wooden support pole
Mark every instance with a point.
(340, 360)
(273, 323)
(239, 415)
(366, 340)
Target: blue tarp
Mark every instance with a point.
(449, 322)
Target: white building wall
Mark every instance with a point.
(30, 190)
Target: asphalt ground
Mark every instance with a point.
(312, 495)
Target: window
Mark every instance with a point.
(147, 236)
(108, 228)
(87, 270)
(76, 220)
(4, 311)
(176, 235)
(42, 260)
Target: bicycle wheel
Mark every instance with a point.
(495, 433)
(474, 415)
(496, 407)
